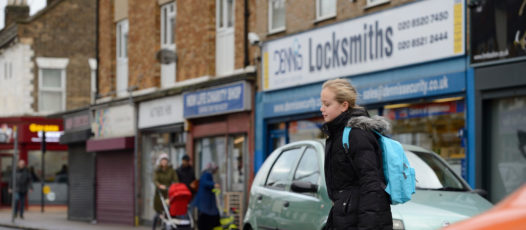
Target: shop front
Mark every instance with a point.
(29, 149)
(402, 73)
(220, 130)
(81, 174)
(161, 126)
(499, 58)
(113, 144)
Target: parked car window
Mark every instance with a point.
(279, 176)
(431, 173)
(308, 169)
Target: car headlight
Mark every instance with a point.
(398, 224)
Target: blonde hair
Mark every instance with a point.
(343, 91)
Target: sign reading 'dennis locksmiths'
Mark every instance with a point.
(417, 32)
(230, 98)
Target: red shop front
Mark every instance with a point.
(29, 149)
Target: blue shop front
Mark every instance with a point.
(411, 69)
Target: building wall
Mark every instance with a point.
(301, 15)
(106, 49)
(195, 38)
(65, 30)
(143, 44)
(16, 85)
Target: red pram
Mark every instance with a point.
(179, 196)
(176, 213)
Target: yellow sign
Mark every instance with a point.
(46, 189)
(46, 128)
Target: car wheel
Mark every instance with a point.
(247, 227)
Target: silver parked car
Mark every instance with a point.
(289, 192)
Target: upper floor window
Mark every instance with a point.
(122, 58)
(51, 88)
(325, 9)
(122, 39)
(52, 84)
(167, 24)
(276, 9)
(225, 17)
(371, 3)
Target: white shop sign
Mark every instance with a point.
(417, 32)
(160, 112)
(117, 121)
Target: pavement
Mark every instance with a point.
(54, 218)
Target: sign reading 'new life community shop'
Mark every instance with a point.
(418, 32)
(231, 98)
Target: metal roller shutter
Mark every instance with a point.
(81, 204)
(115, 203)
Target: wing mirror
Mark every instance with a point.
(303, 187)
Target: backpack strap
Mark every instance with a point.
(345, 138)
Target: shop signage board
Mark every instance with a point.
(224, 99)
(500, 31)
(379, 93)
(418, 32)
(160, 112)
(77, 121)
(117, 121)
(427, 110)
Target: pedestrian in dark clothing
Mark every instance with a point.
(205, 200)
(186, 172)
(34, 176)
(354, 176)
(22, 185)
(164, 176)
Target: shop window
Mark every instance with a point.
(435, 126)
(276, 15)
(325, 9)
(237, 163)
(507, 141)
(153, 145)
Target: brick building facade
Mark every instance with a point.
(134, 37)
(64, 30)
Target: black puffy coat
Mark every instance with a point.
(356, 189)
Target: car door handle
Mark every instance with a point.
(286, 204)
(259, 198)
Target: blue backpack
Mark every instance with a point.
(400, 176)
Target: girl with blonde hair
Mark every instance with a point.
(353, 174)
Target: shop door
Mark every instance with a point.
(6, 162)
(115, 188)
(81, 205)
(507, 140)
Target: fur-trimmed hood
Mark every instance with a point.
(378, 123)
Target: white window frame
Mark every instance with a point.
(324, 17)
(169, 15)
(93, 67)
(271, 14)
(224, 10)
(52, 63)
(371, 3)
(168, 12)
(122, 29)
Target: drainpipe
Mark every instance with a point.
(245, 35)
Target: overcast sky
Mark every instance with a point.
(34, 6)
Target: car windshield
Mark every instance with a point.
(432, 174)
